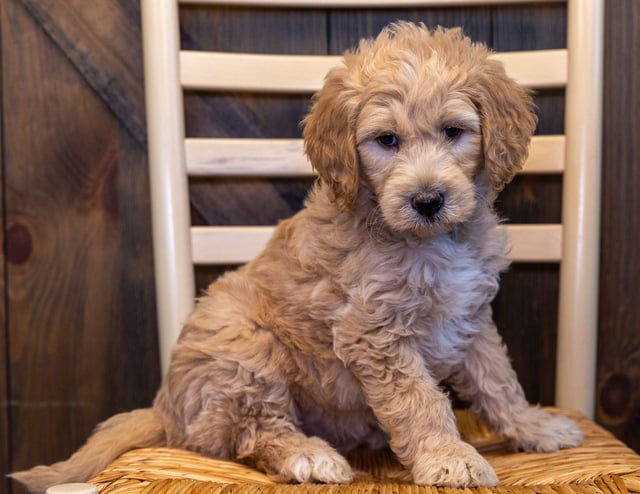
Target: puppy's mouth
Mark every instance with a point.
(430, 216)
(425, 212)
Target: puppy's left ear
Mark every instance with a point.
(508, 122)
(329, 136)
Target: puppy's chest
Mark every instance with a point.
(432, 293)
(445, 291)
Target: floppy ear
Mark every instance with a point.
(508, 122)
(329, 136)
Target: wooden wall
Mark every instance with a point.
(618, 402)
(79, 334)
(77, 322)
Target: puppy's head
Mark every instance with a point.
(420, 118)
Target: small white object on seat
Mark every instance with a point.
(73, 488)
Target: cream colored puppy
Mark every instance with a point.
(340, 333)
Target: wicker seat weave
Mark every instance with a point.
(602, 464)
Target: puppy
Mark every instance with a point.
(340, 333)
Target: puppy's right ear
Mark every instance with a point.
(329, 136)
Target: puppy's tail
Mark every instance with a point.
(123, 432)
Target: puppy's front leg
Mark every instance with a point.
(487, 379)
(413, 411)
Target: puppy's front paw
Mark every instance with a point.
(454, 465)
(314, 461)
(539, 431)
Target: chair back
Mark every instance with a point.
(574, 243)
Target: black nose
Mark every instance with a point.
(427, 204)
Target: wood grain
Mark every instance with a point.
(80, 319)
(77, 334)
(5, 431)
(95, 44)
(618, 401)
(56, 195)
(245, 157)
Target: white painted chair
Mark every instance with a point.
(177, 245)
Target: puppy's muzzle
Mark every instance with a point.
(428, 204)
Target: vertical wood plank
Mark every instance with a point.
(5, 431)
(81, 318)
(618, 397)
(56, 218)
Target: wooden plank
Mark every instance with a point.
(103, 48)
(5, 398)
(254, 72)
(76, 221)
(350, 25)
(305, 74)
(526, 313)
(47, 299)
(234, 245)
(539, 69)
(546, 155)
(535, 243)
(618, 400)
(244, 157)
(228, 244)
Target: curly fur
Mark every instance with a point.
(340, 333)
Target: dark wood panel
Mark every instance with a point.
(618, 402)
(348, 26)
(81, 317)
(5, 434)
(529, 27)
(103, 44)
(258, 30)
(52, 189)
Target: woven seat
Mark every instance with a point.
(601, 464)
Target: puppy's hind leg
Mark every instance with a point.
(256, 418)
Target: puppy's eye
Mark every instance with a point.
(388, 140)
(452, 133)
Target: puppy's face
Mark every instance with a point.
(420, 148)
(426, 121)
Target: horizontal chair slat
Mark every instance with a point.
(535, 243)
(305, 73)
(236, 245)
(285, 157)
(228, 244)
